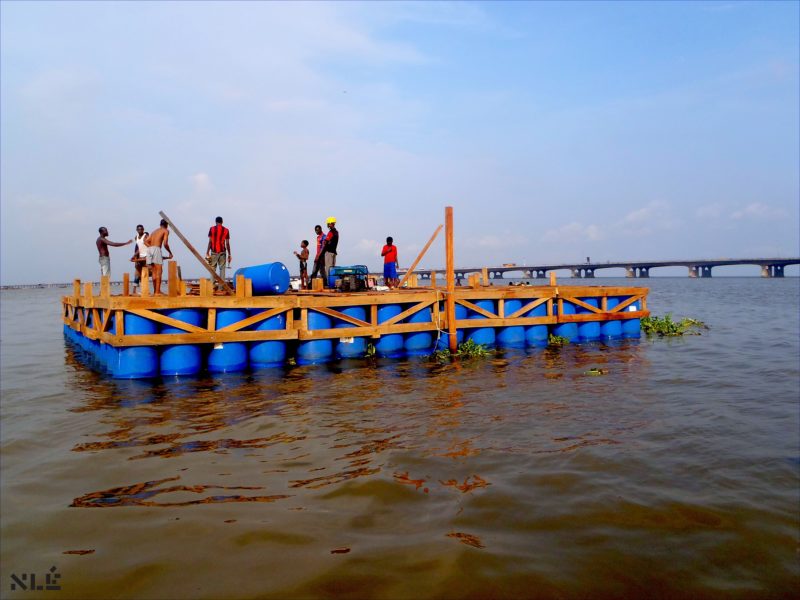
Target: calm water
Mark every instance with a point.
(674, 475)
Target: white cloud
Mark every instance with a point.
(709, 211)
(758, 210)
(573, 232)
(201, 183)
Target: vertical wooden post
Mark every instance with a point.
(316, 284)
(105, 286)
(76, 288)
(212, 315)
(248, 287)
(88, 290)
(126, 284)
(239, 287)
(144, 284)
(433, 280)
(552, 278)
(183, 286)
(172, 278)
(485, 274)
(450, 299)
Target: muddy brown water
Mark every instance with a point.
(675, 474)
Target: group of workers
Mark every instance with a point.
(325, 258)
(148, 252)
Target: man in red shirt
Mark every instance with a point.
(390, 264)
(219, 246)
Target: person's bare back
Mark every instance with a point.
(158, 238)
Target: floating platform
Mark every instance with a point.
(142, 336)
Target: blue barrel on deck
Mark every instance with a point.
(443, 343)
(356, 348)
(632, 328)
(611, 330)
(181, 359)
(228, 357)
(391, 345)
(419, 342)
(536, 335)
(482, 335)
(269, 353)
(268, 279)
(588, 331)
(311, 352)
(135, 362)
(511, 337)
(567, 330)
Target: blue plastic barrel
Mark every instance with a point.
(181, 359)
(268, 279)
(632, 328)
(588, 331)
(269, 353)
(511, 337)
(135, 362)
(353, 347)
(567, 330)
(391, 345)
(484, 336)
(228, 357)
(311, 352)
(443, 343)
(611, 330)
(420, 342)
(536, 335)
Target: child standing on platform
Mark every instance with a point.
(302, 256)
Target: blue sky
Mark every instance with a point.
(556, 130)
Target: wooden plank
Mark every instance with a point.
(240, 291)
(583, 304)
(119, 320)
(419, 257)
(433, 279)
(212, 319)
(161, 339)
(485, 275)
(477, 309)
(254, 319)
(623, 305)
(196, 254)
(450, 299)
(144, 284)
(552, 279)
(88, 290)
(126, 284)
(76, 288)
(599, 317)
(165, 320)
(408, 312)
(338, 315)
(172, 278)
(528, 307)
(317, 284)
(105, 286)
(248, 287)
(501, 308)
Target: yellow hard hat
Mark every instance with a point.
(330, 220)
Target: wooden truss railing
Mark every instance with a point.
(91, 315)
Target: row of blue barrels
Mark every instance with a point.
(136, 362)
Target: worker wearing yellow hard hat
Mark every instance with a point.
(329, 246)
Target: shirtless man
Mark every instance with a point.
(102, 249)
(155, 259)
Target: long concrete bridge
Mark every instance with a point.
(770, 267)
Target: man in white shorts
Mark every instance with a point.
(154, 256)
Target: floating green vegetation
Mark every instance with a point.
(595, 371)
(665, 326)
(557, 340)
(468, 349)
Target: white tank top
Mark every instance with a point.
(140, 245)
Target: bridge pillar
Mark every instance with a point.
(496, 275)
(644, 272)
(541, 274)
(693, 271)
(576, 273)
(630, 272)
(528, 274)
(705, 271)
(777, 270)
(589, 273)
